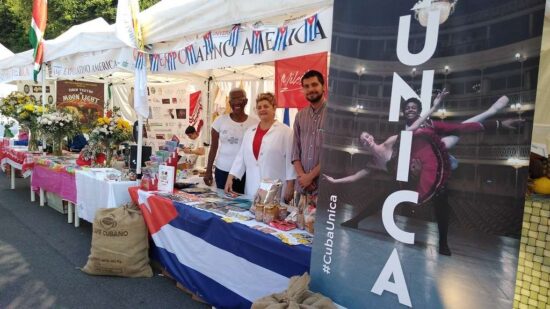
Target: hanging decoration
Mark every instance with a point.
(190, 54)
(281, 38)
(257, 42)
(234, 36)
(311, 28)
(140, 61)
(171, 59)
(154, 59)
(208, 42)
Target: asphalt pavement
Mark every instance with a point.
(41, 256)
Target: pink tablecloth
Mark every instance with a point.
(60, 183)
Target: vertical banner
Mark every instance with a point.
(195, 110)
(425, 155)
(288, 75)
(87, 97)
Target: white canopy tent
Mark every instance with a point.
(167, 25)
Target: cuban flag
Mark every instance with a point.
(154, 59)
(280, 39)
(234, 36)
(310, 28)
(171, 61)
(227, 264)
(140, 61)
(208, 43)
(190, 54)
(257, 43)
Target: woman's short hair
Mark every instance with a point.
(267, 96)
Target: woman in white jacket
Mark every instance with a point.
(265, 152)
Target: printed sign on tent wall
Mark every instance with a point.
(288, 75)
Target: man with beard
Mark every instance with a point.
(308, 135)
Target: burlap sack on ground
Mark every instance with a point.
(297, 296)
(119, 244)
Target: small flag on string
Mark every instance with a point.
(234, 36)
(171, 61)
(311, 28)
(154, 59)
(257, 44)
(280, 39)
(209, 43)
(140, 61)
(190, 54)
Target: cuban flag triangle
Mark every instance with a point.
(190, 54)
(140, 61)
(257, 43)
(234, 36)
(280, 39)
(154, 60)
(208, 43)
(311, 28)
(171, 61)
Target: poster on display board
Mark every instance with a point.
(426, 214)
(87, 97)
(34, 90)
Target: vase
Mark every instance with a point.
(57, 146)
(109, 156)
(33, 140)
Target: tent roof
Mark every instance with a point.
(90, 36)
(4, 52)
(93, 35)
(173, 19)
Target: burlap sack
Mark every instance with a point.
(119, 244)
(297, 296)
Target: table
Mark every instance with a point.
(18, 158)
(93, 192)
(228, 264)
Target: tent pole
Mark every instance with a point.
(208, 108)
(44, 69)
(140, 144)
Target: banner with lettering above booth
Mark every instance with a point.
(93, 63)
(425, 154)
(243, 44)
(288, 76)
(87, 97)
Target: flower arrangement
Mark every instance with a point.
(23, 108)
(110, 131)
(10, 104)
(57, 125)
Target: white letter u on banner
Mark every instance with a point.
(432, 31)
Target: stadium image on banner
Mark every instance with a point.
(425, 154)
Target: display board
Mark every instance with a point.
(427, 217)
(87, 97)
(169, 111)
(34, 90)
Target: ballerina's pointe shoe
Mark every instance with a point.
(499, 104)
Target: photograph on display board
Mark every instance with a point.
(426, 151)
(181, 113)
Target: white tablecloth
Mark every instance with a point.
(93, 192)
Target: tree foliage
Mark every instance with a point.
(15, 18)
